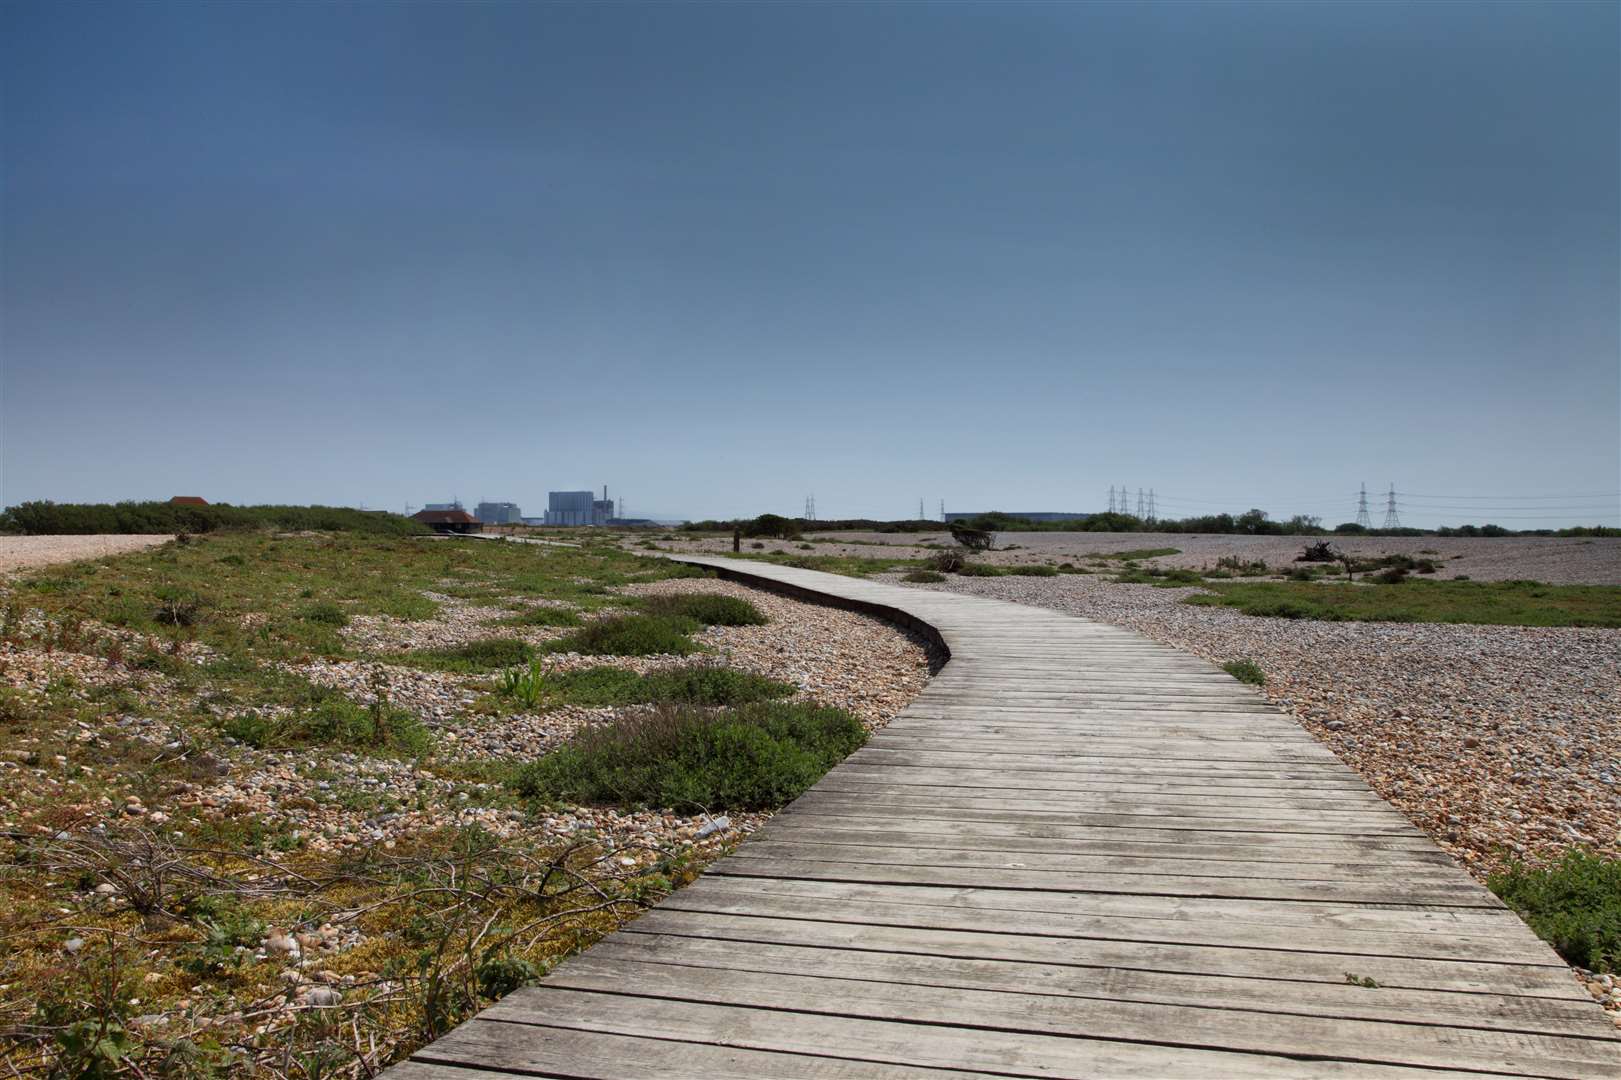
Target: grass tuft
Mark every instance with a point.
(1245, 671)
(924, 577)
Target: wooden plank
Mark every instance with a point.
(1440, 893)
(1496, 1012)
(1278, 869)
(935, 1046)
(495, 1048)
(1490, 935)
(949, 836)
(1214, 1028)
(987, 937)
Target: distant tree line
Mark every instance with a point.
(1249, 523)
(49, 518)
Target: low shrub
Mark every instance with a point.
(1574, 905)
(711, 609)
(489, 654)
(1034, 570)
(326, 613)
(696, 685)
(755, 757)
(924, 577)
(1245, 671)
(632, 635)
(333, 721)
(948, 561)
(969, 569)
(1242, 567)
(544, 616)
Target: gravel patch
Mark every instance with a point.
(855, 662)
(1551, 559)
(27, 552)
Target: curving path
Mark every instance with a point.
(1078, 853)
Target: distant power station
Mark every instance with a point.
(578, 508)
(562, 508)
(499, 513)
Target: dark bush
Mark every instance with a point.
(326, 612)
(489, 654)
(712, 686)
(755, 757)
(1322, 551)
(948, 561)
(969, 569)
(544, 616)
(632, 635)
(971, 538)
(711, 609)
(924, 577)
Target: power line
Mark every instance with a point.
(1510, 498)
(1362, 517)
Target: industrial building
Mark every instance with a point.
(577, 508)
(499, 513)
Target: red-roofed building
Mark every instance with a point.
(188, 500)
(448, 521)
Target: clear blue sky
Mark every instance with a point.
(721, 257)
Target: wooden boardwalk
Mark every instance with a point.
(1078, 853)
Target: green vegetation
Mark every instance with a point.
(711, 609)
(1240, 567)
(544, 616)
(848, 565)
(162, 517)
(334, 721)
(923, 577)
(754, 757)
(1574, 905)
(526, 685)
(693, 685)
(1033, 570)
(632, 635)
(487, 654)
(973, 569)
(1504, 603)
(1245, 671)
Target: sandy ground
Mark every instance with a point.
(1555, 560)
(27, 552)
